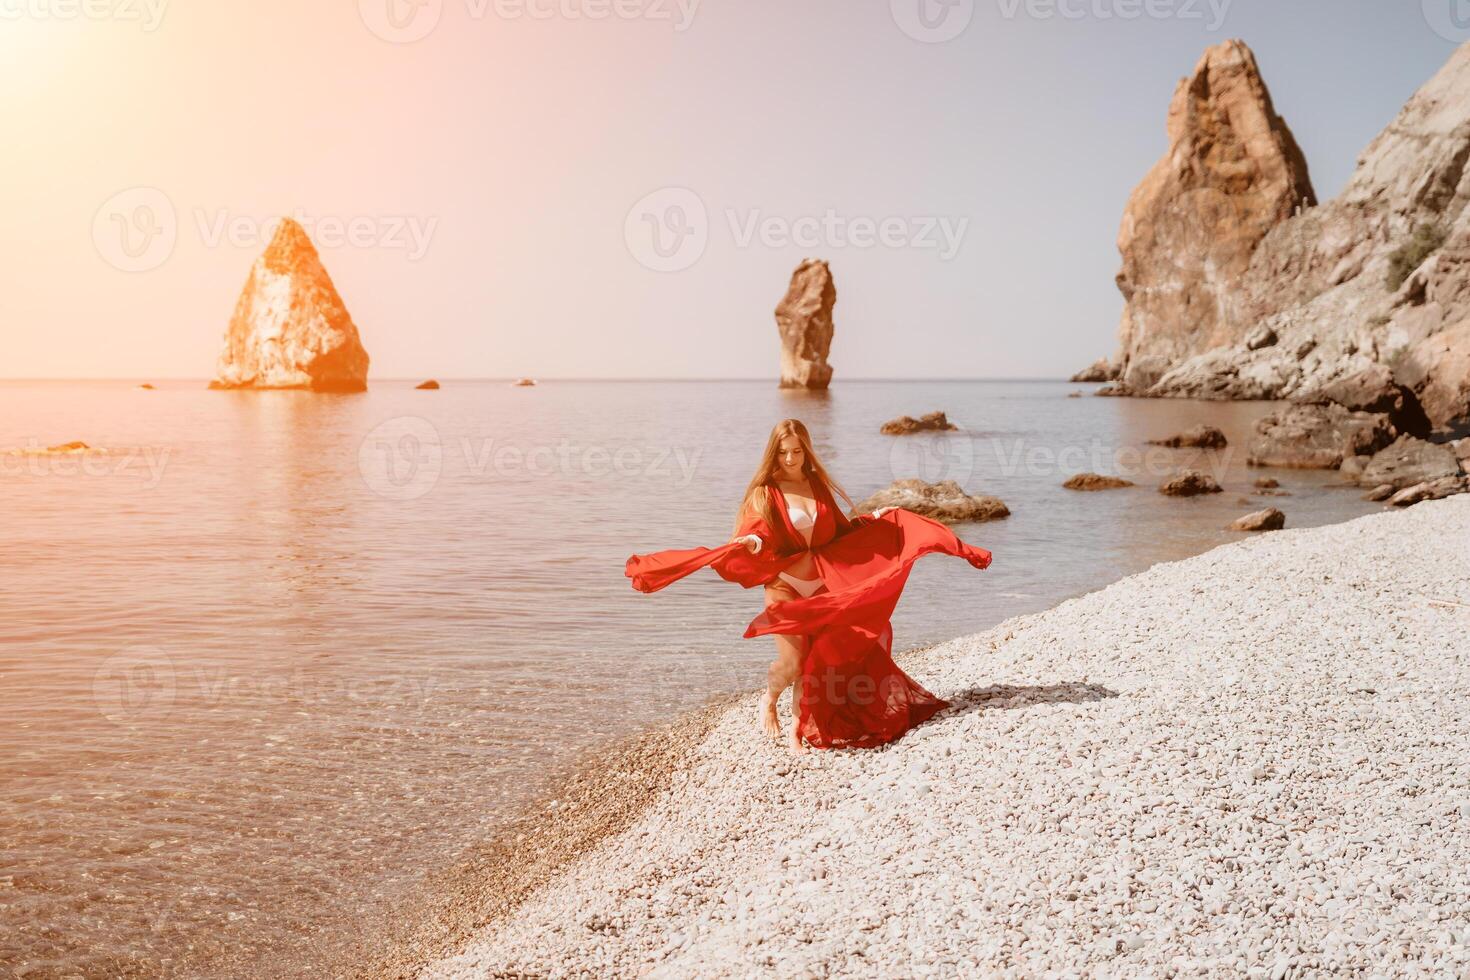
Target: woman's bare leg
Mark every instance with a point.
(783, 670)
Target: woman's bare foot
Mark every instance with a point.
(765, 711)
(794, 742)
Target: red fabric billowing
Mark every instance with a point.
(852, 693)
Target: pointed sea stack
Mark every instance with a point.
(1232, 173)
(290, 329)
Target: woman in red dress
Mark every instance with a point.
(831, 584)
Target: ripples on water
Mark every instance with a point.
(283, 652)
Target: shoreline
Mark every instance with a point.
(730, 854)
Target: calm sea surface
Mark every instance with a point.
(277, 654)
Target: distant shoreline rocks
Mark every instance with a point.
(906, 424)
(945, 501)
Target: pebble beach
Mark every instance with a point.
(1248, 762)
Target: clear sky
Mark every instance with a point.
(485, 178)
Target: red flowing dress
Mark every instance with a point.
(852, 693)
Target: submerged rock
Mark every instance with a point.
(290, 329)
(944, 501)
(905, 424)
(804, 319)
(1190, 483)
(1096, 481)
(1199, 436)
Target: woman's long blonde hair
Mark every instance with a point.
(756, 499)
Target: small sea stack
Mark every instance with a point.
(804, 320)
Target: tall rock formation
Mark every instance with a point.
(1231, 174)
(804, 318)
(1365, 300)
(290, 329)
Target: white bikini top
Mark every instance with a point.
(798, 517)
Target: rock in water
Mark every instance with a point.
(1098, 370)
(1317, 437)
(430, 385)
(1199, 437)
(1232, 172)
(1269, 519)
(1409, 461)
(290, 329)
(804, 317)
(907, 424)
(1190, 483)
(1096, 481)
(945, 501)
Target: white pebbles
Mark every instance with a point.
(1253, 762)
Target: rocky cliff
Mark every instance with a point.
(1232, 172)
(290, 329)
(1363, 301)
(804, 318)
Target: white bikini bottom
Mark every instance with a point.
(805, 586)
